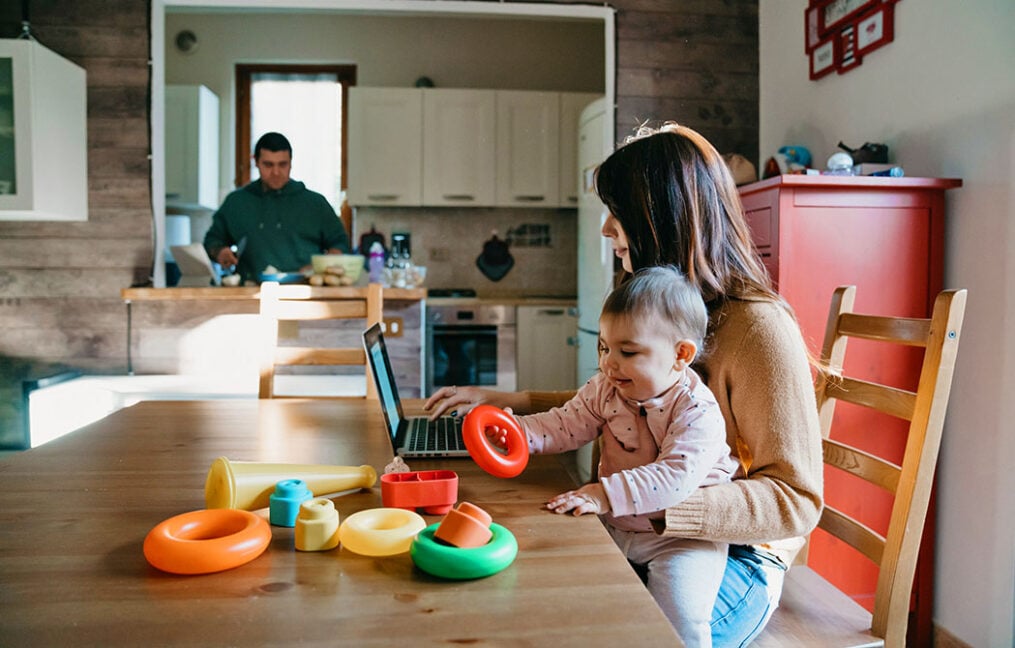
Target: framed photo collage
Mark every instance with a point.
(839, 33)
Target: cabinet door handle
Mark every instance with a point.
(573, 341)
(382, 196)
(528, 198)
(459, 197)
(552, 311)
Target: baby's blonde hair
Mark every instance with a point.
(664, 295)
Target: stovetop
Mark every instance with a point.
(450, 292)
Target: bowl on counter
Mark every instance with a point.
(282, 277)
(351, 264)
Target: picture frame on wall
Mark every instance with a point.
(839, 13)
(875, 30)
(811, 35)
(823, 58)
(847, 57)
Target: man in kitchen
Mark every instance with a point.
(275, 221)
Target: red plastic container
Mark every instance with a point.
(433, 491)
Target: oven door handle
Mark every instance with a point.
(457, 332)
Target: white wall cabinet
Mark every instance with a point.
(43, 135)
(458, 147)
(528, 162)
(192, 147)
(464, 147)
(571, 106)
(545, 357)
(385, 146)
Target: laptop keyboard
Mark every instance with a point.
(444, 434)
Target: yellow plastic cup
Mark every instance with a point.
(248, 485)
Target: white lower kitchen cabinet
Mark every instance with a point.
(546, 357)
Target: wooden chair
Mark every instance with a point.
(813, 612)
(305, 303)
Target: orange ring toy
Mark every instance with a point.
(484, 453)
(206, 541)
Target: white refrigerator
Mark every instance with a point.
(595, 254)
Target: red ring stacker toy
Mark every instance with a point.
(484, 453)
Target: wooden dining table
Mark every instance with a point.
(74, 514)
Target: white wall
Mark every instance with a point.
(942, 96)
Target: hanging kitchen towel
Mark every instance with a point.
(495, 261)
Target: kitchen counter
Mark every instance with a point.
(253, 292)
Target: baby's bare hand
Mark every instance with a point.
(590, 498)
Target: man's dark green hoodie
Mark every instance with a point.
(283, 228)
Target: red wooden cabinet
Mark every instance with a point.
(886, 236)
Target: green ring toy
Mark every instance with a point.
(453, 563)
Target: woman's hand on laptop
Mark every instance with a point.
(460, 400)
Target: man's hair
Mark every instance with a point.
(272, 142)
(664, 296)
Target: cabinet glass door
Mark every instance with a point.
(8, 174)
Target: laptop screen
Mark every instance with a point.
(380, 367)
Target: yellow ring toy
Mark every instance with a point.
(206, 541)
(380, 531)
(439, 559)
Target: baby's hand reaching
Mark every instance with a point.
(590, 498)
(498, 435)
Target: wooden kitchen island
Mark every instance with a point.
(76, 511)
(211, 331)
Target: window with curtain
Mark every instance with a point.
(307, 104)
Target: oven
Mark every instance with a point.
(470, 344)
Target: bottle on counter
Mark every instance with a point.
(375, 265)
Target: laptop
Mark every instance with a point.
(417, 436)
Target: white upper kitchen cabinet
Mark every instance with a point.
(528, 143)
(571, 106)
(458, 147)
(192, 147)
(546, 356)
(43, 135)
(385, 146)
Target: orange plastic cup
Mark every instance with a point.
(465, 527)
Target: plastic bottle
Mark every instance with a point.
(375, 265)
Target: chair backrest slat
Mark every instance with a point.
(890, 400)
(900, 330)
(855, 534)
(864, 465)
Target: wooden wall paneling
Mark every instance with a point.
(60, 282)
(694, 63)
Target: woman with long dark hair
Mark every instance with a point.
(672, 201)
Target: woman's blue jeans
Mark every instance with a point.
(745, 602)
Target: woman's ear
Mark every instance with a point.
(684, 352)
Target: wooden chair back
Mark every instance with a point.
(308, 303)
(813, 612)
